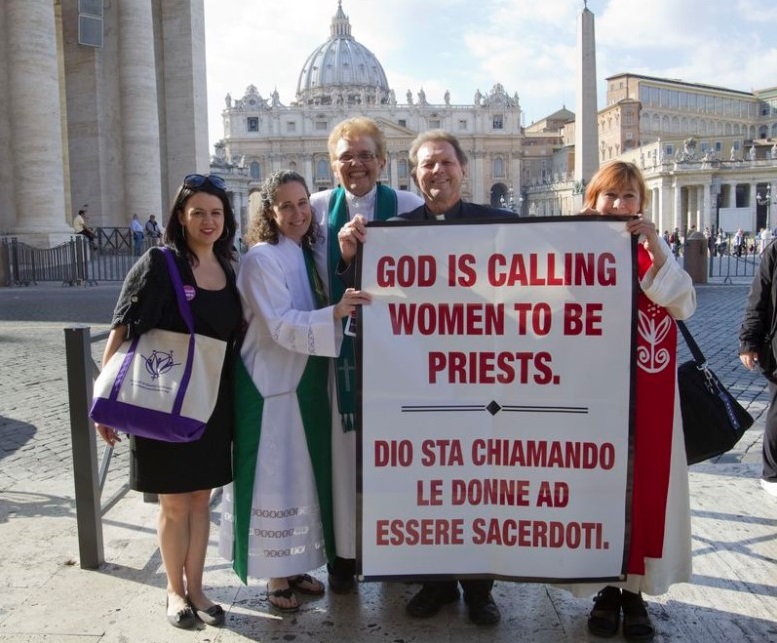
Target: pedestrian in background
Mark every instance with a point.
(136, 229)
(757, 349)
(81, 226)
(152, 228)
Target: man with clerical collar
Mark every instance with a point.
(357, 152)
(438, 166)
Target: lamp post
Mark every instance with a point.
(510, 203)
(767, 200)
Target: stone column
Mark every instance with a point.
(708, 213)
(772, 222)
(308, 171)
(7, 203)
(35, 118)
(677, 194)
(476, 179)
(185, 125)
(139, 108)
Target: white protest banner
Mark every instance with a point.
(496, 370)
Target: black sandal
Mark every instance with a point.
(637, 626)
(286, 593)
(605, 617)
(306, 584)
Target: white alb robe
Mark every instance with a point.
(286, 535)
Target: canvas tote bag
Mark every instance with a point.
(162, 384)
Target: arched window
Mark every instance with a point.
(256, 171)
(402, 168)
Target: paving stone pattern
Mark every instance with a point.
(45, 597)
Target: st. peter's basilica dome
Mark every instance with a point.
(342, 71)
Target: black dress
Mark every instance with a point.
(148, 301)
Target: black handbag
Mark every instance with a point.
(713, 421)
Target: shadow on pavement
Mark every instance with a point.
(14, 435)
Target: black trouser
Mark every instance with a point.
(770, 437)
(473, 589)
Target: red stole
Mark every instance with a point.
(655, 391)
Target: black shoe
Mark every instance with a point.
(430, 599)
(605, 617)
(637, 626)
(340, 577)
(183, 618)
(340, 584)
(483, 610)
(214, 615)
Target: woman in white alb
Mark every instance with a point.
(277, 515)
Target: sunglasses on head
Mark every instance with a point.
(197, 180)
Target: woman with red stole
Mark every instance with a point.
(660, 550)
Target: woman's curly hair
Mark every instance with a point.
(263, 226)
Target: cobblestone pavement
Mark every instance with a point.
(45, 597)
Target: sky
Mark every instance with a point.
(529, 46)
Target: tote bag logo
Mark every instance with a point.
(159, 363)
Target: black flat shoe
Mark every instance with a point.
(184, 618)
(430, 599)
(483, 611)
(214, 615)
(340, 584)
(340, 575)
(605, 617)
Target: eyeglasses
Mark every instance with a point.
(194, 181)
(362, 157)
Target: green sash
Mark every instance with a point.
(345, 364)
(313, 400)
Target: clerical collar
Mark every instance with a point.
(451, 213)
(364, 205)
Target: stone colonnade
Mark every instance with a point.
(115, 127)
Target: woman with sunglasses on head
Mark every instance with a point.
(277, 515)
(660, 536)
(200, 231)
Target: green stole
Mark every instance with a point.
(313, 400)
(345, 364)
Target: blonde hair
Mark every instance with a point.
(355, 127)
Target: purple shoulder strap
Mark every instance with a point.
(175, 277)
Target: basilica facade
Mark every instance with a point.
(341, 78)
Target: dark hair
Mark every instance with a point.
(434, 136)
(174, 235)
(618, 175)
(263, 226)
